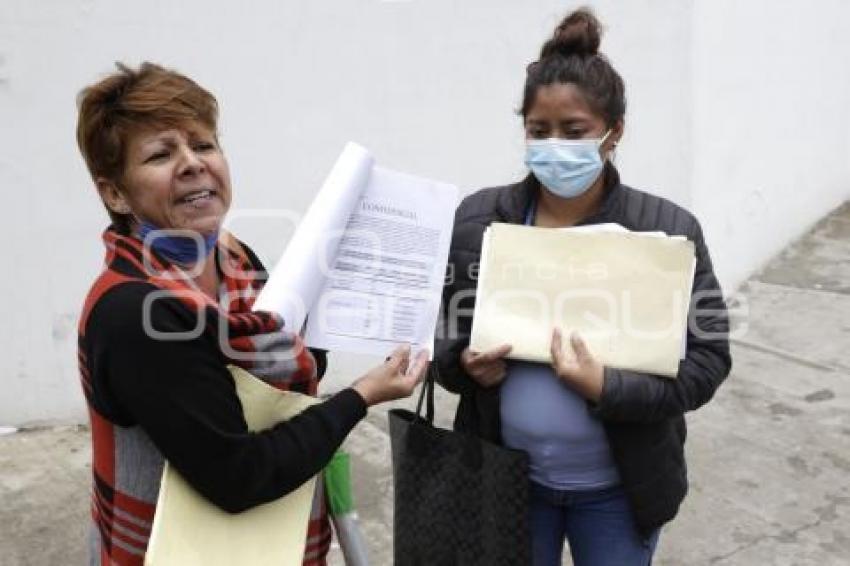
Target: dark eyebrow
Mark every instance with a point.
(167, 140)
(572, 121)
(568, 121)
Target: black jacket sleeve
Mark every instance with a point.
(182, 395)
(454, 327)
(634, 396)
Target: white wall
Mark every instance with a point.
(771, 145)
(714, 119)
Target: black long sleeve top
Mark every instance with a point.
(183, 396)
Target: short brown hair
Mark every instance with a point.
(129, 100)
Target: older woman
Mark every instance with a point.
(607, 463)
(172, 309)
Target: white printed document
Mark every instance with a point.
(365, 268)
(626, 293)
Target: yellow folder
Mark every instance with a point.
(626, 293)
(188, 530)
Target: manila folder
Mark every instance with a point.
(626, 294)
(188, 530)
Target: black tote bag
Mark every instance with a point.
(459, 500)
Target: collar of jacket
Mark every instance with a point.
(514, 202)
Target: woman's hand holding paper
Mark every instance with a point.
(394, 379)
(486, 368)
(582, 372)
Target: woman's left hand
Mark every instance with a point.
(583, 372)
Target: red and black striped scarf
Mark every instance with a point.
(255, 341)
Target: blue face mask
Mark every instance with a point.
(177, 248)
(567, 168)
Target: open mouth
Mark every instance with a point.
(197, 197)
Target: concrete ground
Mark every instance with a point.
(769, 457)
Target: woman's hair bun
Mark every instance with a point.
(578, 34)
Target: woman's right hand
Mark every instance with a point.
(486, 368)
(394, 379)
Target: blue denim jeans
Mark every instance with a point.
(597, 524)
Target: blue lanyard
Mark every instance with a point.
(530, 212)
